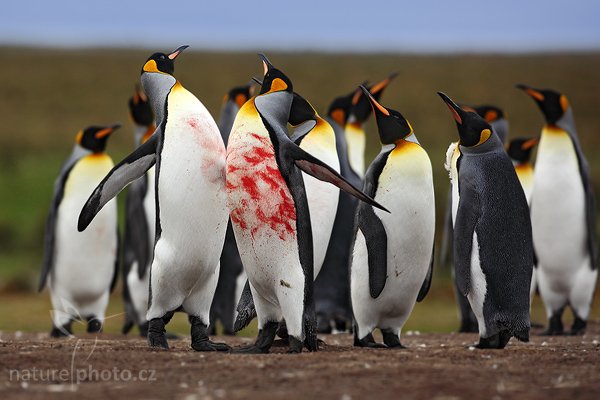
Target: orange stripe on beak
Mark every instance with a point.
(535, 94)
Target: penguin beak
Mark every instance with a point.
(530, 143)
(257, 81)
(535, 94)
(107, 131)
(173, 55)
(266, 63)
(379, 86)
(357, 93)
(376, 106)
(455, 110)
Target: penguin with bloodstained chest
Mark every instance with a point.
(80, 269)
(392, 258)
(191, 213)
(270, 215)
(563, 216)
(493, 250)
(231, 277)
(140, 213)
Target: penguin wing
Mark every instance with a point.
(135, 245)
(448, 234)
(428, 278)
(590, 203)
(115, 277)
(318, 169)
(50, 231)
(376, 240)
(464, 228)
(131, 168)
(245, 308)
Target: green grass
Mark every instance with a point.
(46, 96)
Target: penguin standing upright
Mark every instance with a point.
(80, 269)
(392, 256)
(563, 216)
(191, 213)
(519, 151)
(496, 118)
(140, 221)
(493, 251)
(231, 276)
(270, 215)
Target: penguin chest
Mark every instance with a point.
(558, 203)
(85, 260)
(262, 209)
(322, 197)
(356, 140)
(451, 161)
(191, 184)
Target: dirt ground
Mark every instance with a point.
(434, 366)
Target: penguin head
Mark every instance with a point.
(490, 113)
(139, 108)
(472, 129)
(339, 109)
(240, 94)
(162, 63)
(361, 106)
(274, 80)
(519, 149)
(391, 124)
(553, 104)
(93, 138)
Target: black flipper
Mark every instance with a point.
(245, 308)
(115, 277)
(428, 278)
(376, 240)
(318, 169)
(131, 168)
(49, 233)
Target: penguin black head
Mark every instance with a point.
(274, 80)
(361, 106)
(392, 125)
(519, 149)
(139, 108)
(340, 108)
(163, 63)
(488, 112)
(472, 129)
(94, 138)
(553, 104)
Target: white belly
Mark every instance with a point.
(85, 261)
(322, 197)
(451, 158)
(558, 209)
(150, 207)
(356, 140)
(406, 189)
(191, 193)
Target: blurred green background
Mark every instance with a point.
(46, 96)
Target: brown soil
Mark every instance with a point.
(435, 366)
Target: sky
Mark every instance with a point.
(340, 26)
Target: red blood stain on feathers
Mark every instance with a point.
(259, 199)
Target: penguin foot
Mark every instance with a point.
(264, 340)
(391, 339)
(200, 340)
(497, 341)
(555, 325)
(578, 327)
(368, 342)
(94, 325)
(282, 331)
(157, 338)
(61, 332)
(296, 346)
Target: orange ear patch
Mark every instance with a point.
(278, 85)
(338, 116)
(483, 136)
(150, 66)
(78, 137)
(491, 116)
(564, 103)
(240, 99)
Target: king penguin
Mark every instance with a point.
(140, 222)
(495, 116)
(493, 250)
(80, 268)
(392, 256)
(231, 276)
(564, 232)
(191, 213)
(270, 214)
(519, 150)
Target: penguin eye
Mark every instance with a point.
(162, 57)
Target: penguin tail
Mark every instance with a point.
(522, 335)
(244, 317)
